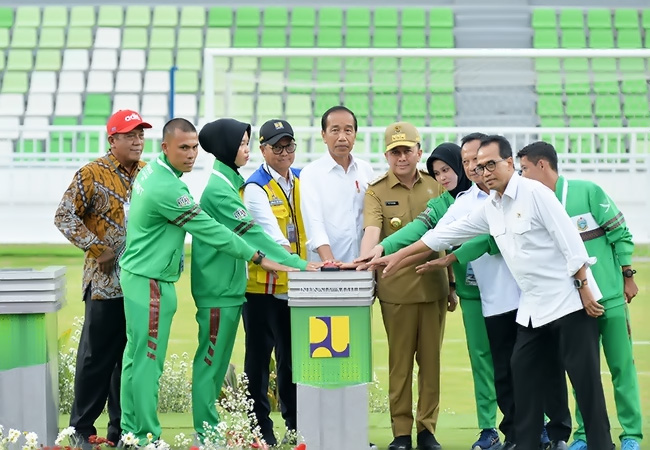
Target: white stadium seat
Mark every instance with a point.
(71, 82)
(43, 83)
(156, 81)
(100, 81)
(128, 81)
(185, 105)
(68, 105)
(154, 104)
(126, 101)
(75, 59)
(37, 123)
(104, 59)
(108, 38)
(133, 59)
(12, 104)
(9, 127)
(40, 105)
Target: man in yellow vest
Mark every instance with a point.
(272, 197)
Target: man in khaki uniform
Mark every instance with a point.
(413, 306)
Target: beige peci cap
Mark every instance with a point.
(401, 133)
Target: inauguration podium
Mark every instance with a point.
(29, 387)
(332, 356)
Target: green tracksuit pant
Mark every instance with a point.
(616, 340)
(480, 359)
(149, 306)
(217, 332)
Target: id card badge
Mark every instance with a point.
(127, 206)
(291, 233)
(470, 278)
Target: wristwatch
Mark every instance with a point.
(258, 259)
(452, 284)
(629, 273)
(579, 284)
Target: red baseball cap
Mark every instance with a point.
(124, 121)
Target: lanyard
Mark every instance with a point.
(121, 177)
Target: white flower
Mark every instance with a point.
(149, 437)
(65, 433)
(130, 440)
(150, 446)
(162, 445)
(13, 435)
(31, 440)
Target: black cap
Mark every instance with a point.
(273, 130)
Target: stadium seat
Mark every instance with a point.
(6, 17)
(156, 81)
(4, 40)
(71, 82)
(357, 38)
(413, 38)
(162, 59)
(301, 37)
(82, 16)
(133, 60)
(414, 82)
(104, 59)
(635, 84)
(43, 82)
(220, 16)
(185, 106)
(626, 18)
(135, 38)
(385, 17)
(48, 60)
(162, 38)
(271, 82)
(247, 37)
(52, 38)
(601, 38)
(35, 122)
(442, 38)
(631, 65)
(28, 16)
(247, 16)
(441, 18)
(330, 38)
(24, 37)
(192, 16)
(635, 106)
(357, 17)
(544, 18)
(217, 38)
(165, 16)
(128, 81)
(385, 82)
(68, 105)
(605, 83)
(20, 60)
(108, 38)
(39, 105)
(571, 18)
(550, 106)
(545, 38)
(299, 105)
(413, 105)
(603, 64)
(442, 106)
(573, 38)
(303, 16)
(275, 16)
(441, 83)
(190, 38)
(14, 82)
(329, 16)
(607, 106)
(110, 16)
(576, 64)
(137, 16)
(413, 18)
(549, 83)
(189, 60)
(645, 19)
(12, 104)
(385, 38)
(577, 83)
(97, 105)
(629, 38)
(55, 16)
(578, 106)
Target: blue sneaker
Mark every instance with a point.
(488, 439)
(629, 444)
(544, 441)
(578, 444)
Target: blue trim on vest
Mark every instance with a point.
(261, 177)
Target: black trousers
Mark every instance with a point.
(99, 367)
(267, 322)
(572, 342)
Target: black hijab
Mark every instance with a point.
(449, 153)
(222, 138)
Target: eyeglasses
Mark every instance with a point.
(490, 166)
(278, 149)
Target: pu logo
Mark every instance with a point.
(131, 117)
(329, 337)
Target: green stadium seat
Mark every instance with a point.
(357, 17)
(190, 38)
(577, 83)
(328, 83)
(52, 38)
(578, 106)
(271, 82)
(298, 105)
(385, 38)
(15, 82)
(635, 106)
(557, 141)
(48, 60)
(599, 18)
(606, 83)
(631, 65)
(413, 38)
(247, 16)
(6, 17)
(576, 65)
(276, 16)
(24, 37)
(160, 59)
(324, 102)
(301, 37)
(97, 105)
(359, 103)
(550, 106)
(442, 82)
(385, 17)
(414, 82)
(626, 18)
(299, 82)
(303, 16)
(272, 63)
(269, 106)
(610, 143)
(552, 122)
(330, 63)
(356, 83)
(545, 38)
(413, 105)
(357, 64)
(573, 38)
(645, 19)
(274, 37)
(187, 81)
(544, 18)
(441, 65)
(601, 38)
(301, 64)
(241, 81)
(330, 17)
(162, 38)
(28, 16)
(549, 83)
(190, 60)
(55, 16)
(20, 60)
(414, 64)
(133, 38)
(165, 16)
(192, 16)
(330, 38)
(385, 64)
(357, 38)
(572, 18)
(82, 16)
(442, 106)
(384, 105)
(110, 16)
(442, 38)
(581, 143)
(217, 38)
(413, 18)
(547, 64)
(137, 16)
(607, 106)
(629, 38)
(385, 82)
(635, 84)
(441, 18)
(603, 64)
(220, 17)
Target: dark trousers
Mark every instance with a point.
(99, 367)
(502, 334)
(267, 322)
(570, 341)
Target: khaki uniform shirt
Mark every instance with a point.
(389, 205)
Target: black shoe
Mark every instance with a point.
(269, 438)
(401, 443)
(427, 441)
(508, 446)
(559, 445)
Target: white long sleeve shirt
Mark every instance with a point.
(538, 242)
(331, 201)
(499, 290)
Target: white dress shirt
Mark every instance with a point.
(499, 291)
(331, 202)
(538, 242)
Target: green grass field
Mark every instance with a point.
(457, 424)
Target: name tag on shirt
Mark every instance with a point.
(291, 233)
(470, 278)
(275, 202)
(392, 203)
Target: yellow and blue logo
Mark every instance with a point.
(329, 337)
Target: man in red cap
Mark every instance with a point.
(92, 215)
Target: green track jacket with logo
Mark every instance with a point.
(161, 211)
(219, 279)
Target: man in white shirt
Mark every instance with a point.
(546, 256)
(332, 191)
(272, 196)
